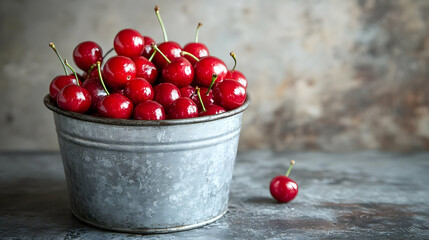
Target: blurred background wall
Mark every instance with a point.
(323, 75)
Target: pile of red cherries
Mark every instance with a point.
(148, 81)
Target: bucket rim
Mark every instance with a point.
(133, 122)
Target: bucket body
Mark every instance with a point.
(146, 176)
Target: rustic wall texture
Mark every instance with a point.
(323, 75)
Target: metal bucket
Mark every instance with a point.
(148, 176)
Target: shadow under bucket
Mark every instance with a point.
(148, 176)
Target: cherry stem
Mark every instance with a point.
(161, 23)
(107, 53)
(153, 55)
(189, 54)
(214, 77)
(197, 32)
(199, 97)
(235, 59)
(290, 167)
(74, 72)
(90, 70)
(59, 56)
(154, 47)
(101, 77)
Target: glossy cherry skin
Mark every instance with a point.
(206, 67)
(229, 94)
(199, 50)
(95, 90)
(92, 74)
(170, 49)
(128, 43)
(116, 106)
(74, 98)
(60, 82)
(179, 72)
(147, 49)
(183, 108)
(166, 94)
(138, 90)
(145, 69)
(237, 76)
(207, 99)
(187, 91)
(149, 110)
(212, 110)
(283, 189)
(118, 70)
(87, 54)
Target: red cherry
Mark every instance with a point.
(183, 108)
(149, 110)
(145, 69)
(115, 105)
(147, 49)
(283, 188)
(170, 49)
(138, 90)
(118, 70)
(95, 90)
(236, 75)
(129, 43)
(229, 94)
(206, 98)
(212, 110)
(59, 83)
(197, 49)
(206, 67)
(93, 74)
(166, 94)
(187, 91)
(86, 54)
(178, 72)
(74, 98)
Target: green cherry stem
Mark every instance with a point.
(154, 47)
(74, 72)
(214, 77)
(235, 59)
(153, 55)
(290, 167)
(161, 23)
(52, 45)
(183, 53)
(101, 77)
(90, 70)
(197, 32)
(107, 53)
(197, 89)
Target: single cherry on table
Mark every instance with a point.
(283, 188)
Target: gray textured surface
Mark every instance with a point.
(369, 195)
(332, 75)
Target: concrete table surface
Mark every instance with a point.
(367, 195)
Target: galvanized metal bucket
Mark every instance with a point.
(148, 176)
